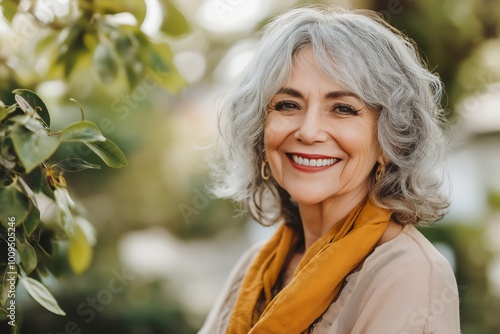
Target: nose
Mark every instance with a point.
(311, 128)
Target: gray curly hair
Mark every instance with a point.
(365, 55)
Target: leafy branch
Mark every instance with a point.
(118, 50)
(28, 177)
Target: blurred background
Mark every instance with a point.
(149, 73)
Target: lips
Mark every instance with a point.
(312, 160)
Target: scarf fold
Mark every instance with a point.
(317, 279)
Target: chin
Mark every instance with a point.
(304, 198)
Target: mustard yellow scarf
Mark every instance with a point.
(317, 279)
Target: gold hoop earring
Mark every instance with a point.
(379, 172)
(265, 176)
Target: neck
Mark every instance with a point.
(319, 218)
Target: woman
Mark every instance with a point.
(333, 133)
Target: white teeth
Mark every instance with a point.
(314, 162)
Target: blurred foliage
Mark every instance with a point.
(494, 199)
(69, 36)
(26, 174)
(479, 309)
(88, 33)
(141, 307)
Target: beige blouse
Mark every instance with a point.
(405, 286)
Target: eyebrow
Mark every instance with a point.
(329, 95)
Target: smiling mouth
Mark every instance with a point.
(312, 161)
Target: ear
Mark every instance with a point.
(383, 159)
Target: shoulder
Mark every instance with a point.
(218, 317)
(404, 286)
(244, 262)
(410, 277)
(411, 265)
(410, 256)
(411, 250)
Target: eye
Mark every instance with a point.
(345, 109)
(285, 106)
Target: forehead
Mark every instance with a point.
(306, 70)
(306, 73)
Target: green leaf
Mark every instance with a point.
(46, 189)
(88, 229)
(27, 190)
(32, 221)
(134, 73)
(45, 246)
(9, 9)
(35, 102)
(24, 105)
(163, 71)
(105, 62)
(71, 48)
(75, 165)
(33, 218)
(8, 159)
(33, 147)
(108, 152)
(90, 40)
(160, 56)
(70, 36)
(79, 251)
(127, 47)
(70, 60)
(5, 111)
(30, 123)
(34, 179)
(82, 131)
(4, 284)
(27, 254)
(135, 7)
(66, 206)
(42, 295)
(9, 165)
(174, 23)
(125, 44)
(13, 203)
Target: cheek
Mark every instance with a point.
(358, 138)
(273, 132)
(279, 126)
(363, 150)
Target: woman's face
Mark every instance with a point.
(319, 138)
